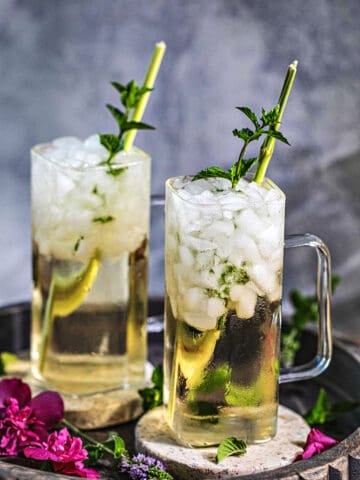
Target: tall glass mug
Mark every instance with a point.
(90, 230)
(224, 262)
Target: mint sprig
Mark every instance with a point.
(268, 126)
(153, 396)
(230, 446)
(305, 311)
(324, 411)
(130, 96)
(263, 126)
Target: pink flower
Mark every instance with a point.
(23, 420)
(65, 452)
(316, 442)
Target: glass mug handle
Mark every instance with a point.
(323, 287)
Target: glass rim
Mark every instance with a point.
(135, 151)
(266, 182)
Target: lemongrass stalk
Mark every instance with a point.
(267, 147)
(149, 81)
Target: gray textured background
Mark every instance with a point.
(57, 58)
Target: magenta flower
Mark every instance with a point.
(65, 452)
(25, 421)
(316, 442)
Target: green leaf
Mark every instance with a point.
(105, 219)
(335, 280)
(6, 359)
(157, 473)
(270, 117)
(319, 413)
(110, 141)
(138, 125)
(94, 454)
(324, 412)
(157, 376)
(246, 165)
(118, 444)
(153, 396)
(245, 133)
(251, 115)
(230, 446)
(212, 172)
(119, 116)
(276, 134)
(77, 243)
(118, 86)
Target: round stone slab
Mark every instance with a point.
(153, 437)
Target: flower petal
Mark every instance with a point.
(316, 442)
(15, 388)
(76, 469)
(49, 408)
(37, 453)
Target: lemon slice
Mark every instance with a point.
(65, 296)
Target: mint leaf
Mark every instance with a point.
(251, 115)
(118, 444)
(319, 413)
(110, 141)
(6, 359)
(243, 165)
(278, 135)
(157, 473)
(105, 219)
(230, 446)
(130, 95)
(77, 243)
(323, 411)
(270, 118)
(137, 125)
(157, 376)
(212, 172)
(244, 133)
(153, 396)
(246, 165)
(119, 116)
(305, 311)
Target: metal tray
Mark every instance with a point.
(341, 380)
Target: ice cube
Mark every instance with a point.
(244, 248)
(93, 142)
(247, 221)
(218, 229)
(67, 142)
(267, 280)
(215, 307)
(200, 321)
(194, 299)
(244, 299)
(269, 239)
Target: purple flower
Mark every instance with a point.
(316, 442)
(142, 467)
(65, 452)
(25, 421)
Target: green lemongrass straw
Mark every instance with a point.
(149, 81)
(267, 148)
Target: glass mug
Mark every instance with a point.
(90, 231)
(223, 277)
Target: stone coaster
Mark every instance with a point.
(94, 411)
(153, 437)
